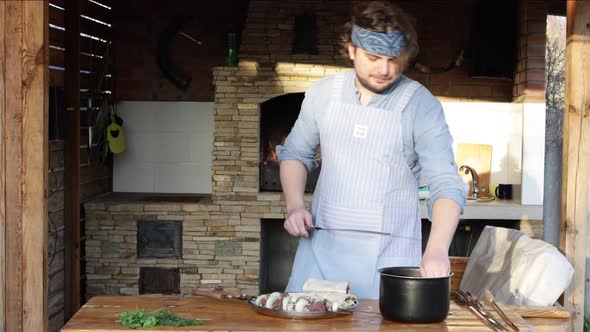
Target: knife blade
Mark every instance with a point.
(318, 228)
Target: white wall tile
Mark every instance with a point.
(182, 178)
(533, 153)
(169, 147)
(199, 144)
(137, 115)
(133, 177)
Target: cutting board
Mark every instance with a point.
(478, 157)
(538, 312)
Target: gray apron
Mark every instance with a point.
(365, 183)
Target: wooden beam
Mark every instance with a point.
(23, 94)
(72, 157)
(13, 158)
(2, 173)
(35, 60)
(575, 209)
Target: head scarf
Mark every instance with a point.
(381, 43)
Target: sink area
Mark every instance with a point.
(480, 200)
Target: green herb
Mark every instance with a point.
(137, 318)
(587, 325)
(141, 318)
(167, 318)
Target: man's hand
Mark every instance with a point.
(445, 217)
(298, 222)
(435, 264)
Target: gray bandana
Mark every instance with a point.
(386, 44)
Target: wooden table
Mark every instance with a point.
(101, 313)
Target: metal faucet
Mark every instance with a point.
(473, 179)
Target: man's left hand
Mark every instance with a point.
(435, 265)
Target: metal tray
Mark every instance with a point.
(298, 315)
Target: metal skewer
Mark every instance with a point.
(478, 309)
(490, 298)
(318, 228)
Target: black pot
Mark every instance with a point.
(405, 296)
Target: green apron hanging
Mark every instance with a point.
(115, 135)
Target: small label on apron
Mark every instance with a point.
(360, 131)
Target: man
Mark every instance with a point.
(380, 132)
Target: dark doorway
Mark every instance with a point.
(155, 280)
(277, 252)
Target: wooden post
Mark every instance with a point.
(575, 209)
(72, 158)
(24, 163)
(2, 171)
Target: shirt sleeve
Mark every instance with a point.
(302, 142)
(433, 145)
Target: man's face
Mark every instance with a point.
(375, 73)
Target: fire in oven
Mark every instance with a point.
(277, 117)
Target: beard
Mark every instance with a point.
(374, 89)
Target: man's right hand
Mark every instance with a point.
(298, 222)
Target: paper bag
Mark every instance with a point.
(516, 269)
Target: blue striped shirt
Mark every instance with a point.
(427, 142)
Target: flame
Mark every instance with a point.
(272, 155)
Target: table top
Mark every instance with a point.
(101, 314)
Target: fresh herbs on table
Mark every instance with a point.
(141, 318)
(166, 318)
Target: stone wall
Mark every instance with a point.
(240, 91)
(211, 254)
(220, 243)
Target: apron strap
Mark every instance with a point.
(337, 88)
(408, 92)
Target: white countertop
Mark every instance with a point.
(499, 209)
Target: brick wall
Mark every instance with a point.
(529, 80)
(443, 26)
(137, 26)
